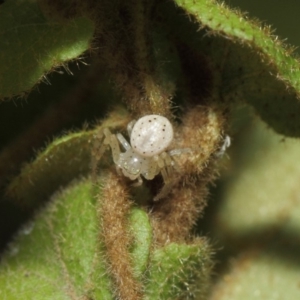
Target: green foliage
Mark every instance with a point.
(40, 179)
(71, 154)
(31, 45)
(179, 272)
(100, 237)
(60, 254)
(141, 227)
(251, 64)
(55, 260)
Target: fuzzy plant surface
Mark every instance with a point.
(73, 226)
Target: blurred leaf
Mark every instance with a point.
(261, 191)
(257, 219)
(262, 273)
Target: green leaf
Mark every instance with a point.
(31, 45)
(247, 63)
(179, 272)
(61, 254)
(63, 160)
(58, 255)
(66, 158)
(140, 226)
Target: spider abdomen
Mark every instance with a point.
(151, 135)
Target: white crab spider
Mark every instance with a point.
(146, 154)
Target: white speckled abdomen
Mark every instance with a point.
(151, 135)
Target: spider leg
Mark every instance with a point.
(130, 127)
(164, 162)
(179, 151)
(166, 189)
(139, 181)
(153, 168)
(123, 141)
(111, 140)
(97, 152)
(223, 148)
(103, 138)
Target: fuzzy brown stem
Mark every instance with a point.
(201, 132)
(115, 48)
(157, 100)
(125, 47)
(117, 239)
(173, 218)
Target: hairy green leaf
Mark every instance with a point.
(179, 272)
(31, 45)
(58, 255)
(66, 158)
(140, 226)
(247, 62)
(61, 254)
